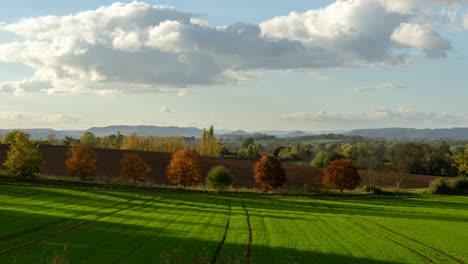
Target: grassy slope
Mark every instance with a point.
(128, 226)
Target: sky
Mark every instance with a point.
(252, 65)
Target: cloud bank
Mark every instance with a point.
(138, 47)
(383, 117)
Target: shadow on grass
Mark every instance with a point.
(116, 244)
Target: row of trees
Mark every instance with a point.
(25, 159)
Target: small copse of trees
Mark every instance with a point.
(342, 175)
(219, 178)
(134, 167)
(269, 173)
(184, 168)
(23, 157)
(81, 162)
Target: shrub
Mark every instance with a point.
(219, 178)
(373, 189)
(81, 162)
(23, 157)
(342, 175)
(460, 185)
(268, 173)
(133, 167)
(440, 186)
(457, 185)
(184, 168)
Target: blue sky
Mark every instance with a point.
(249, 65)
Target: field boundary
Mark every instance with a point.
(221, 243)
(249, 247)
(71, 228)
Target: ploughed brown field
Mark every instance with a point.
(108, 167)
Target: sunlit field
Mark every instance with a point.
(64, 223)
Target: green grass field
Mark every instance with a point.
(43, 223)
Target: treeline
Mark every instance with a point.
(24, 159)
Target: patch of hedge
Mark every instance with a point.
(457, 185)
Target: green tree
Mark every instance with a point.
(323, 159)
(247, 142)
(23, 157)
(370, 157)
(89, 139)
(219, 178)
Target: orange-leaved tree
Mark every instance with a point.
(133, 167)
(269, 173)
(81, 162)
(341, 174)
(184, 168)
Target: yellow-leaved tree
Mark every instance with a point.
(184, 168)
(209, 145)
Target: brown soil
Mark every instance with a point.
(109, 165)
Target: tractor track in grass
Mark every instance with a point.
(72, 228)
(249, 247)
(58, 222)
(221, 243)
(417, 241)
(378, 235)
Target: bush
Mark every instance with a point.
(219, 178)
(23, 157)
(268, 173)
(460, 185)
(373, 189)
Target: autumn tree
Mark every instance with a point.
(209, 145)
(269, 173)
(9, 137)
(461, 162)
(133, 167)
(219, 178)
(81, 162)
(184, 168)
(341, 174)
(150, 143)
(23, 157)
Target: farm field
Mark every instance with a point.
(40, 223)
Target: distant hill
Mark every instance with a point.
(412, 133)
(109, 130)
(235, 133)
(294, 134)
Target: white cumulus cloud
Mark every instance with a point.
(165, 109)
(135, 47)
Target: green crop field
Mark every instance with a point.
(52, 223)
